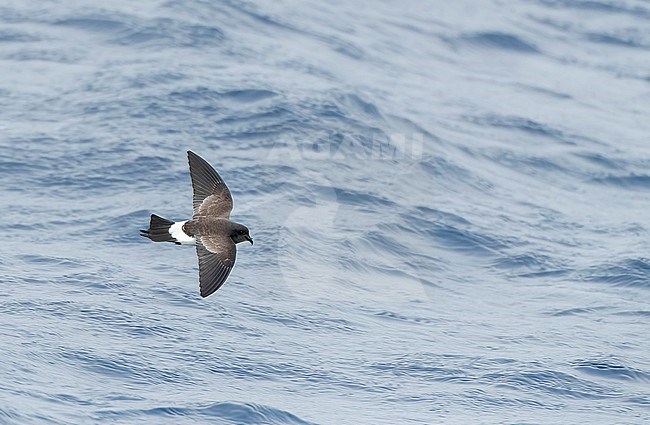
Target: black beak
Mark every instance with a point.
(249, 239)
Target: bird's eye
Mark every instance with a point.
(241, 232)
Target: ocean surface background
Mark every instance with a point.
(449, 200)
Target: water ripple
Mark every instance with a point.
(224, 412)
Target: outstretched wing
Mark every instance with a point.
(211, 196)
(216, 259)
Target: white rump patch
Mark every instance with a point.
(176, 230)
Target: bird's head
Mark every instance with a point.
(240, 233)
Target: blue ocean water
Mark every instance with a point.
(449, 200)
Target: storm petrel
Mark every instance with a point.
(210, 228)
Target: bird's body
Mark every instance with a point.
(210, 227)
(207, 226)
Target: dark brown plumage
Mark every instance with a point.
(210, 228)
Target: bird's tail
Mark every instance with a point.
(158, 230)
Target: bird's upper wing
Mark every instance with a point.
(216, 259)
(211, 196)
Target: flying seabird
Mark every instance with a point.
(210, 228)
